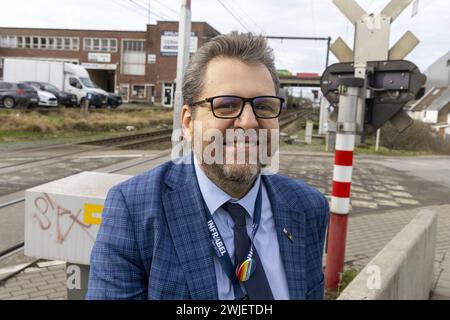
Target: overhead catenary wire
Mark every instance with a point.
(134, 9)
(313, 16)
(161, 9)
(145, 10)
(234, 16)
(239, 19)
(167, 7)
(238, 8)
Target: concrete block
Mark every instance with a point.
(438, 297)
(309, 132)
(441, 291)
(62, 217)
(403, 269)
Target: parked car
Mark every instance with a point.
(17, 94)
(64, 98)
(97, 100)
(114, 100)
(46, 99)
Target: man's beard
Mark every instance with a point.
(233, 159)
(231, 171)
(235, 173)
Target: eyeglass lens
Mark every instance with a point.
(229, 107)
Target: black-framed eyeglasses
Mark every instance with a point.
(231, 107)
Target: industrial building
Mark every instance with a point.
(139, 65)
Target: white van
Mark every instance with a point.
(65, 76)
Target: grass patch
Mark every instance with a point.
(383, 151)
(346, 278)
(19, 126)
(298, 129)
(402, 149)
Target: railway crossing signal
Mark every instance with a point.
(369, 87)
(372, 45)
(390, 85)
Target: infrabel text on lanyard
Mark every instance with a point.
(244, 269)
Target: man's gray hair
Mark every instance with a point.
(245, 47)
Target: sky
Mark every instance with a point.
(302, 18)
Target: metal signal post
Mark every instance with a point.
(350, 86)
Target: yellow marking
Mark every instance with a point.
(92, 213)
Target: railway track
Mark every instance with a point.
(131, 142)
(5, 253)
(119, 142)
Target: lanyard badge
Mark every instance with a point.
(245, 269)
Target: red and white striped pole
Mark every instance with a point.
(342, 177)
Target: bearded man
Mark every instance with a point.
(216, 224)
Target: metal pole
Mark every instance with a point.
(349, 91)
(323, 116)
(148, 11)
(328, 52)
(371, 44)
(377, 142)
(184, 35)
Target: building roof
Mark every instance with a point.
(441, 102)
(434, 99)
(103, 30)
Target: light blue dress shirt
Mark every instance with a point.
(265, 241)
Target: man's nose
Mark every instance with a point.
(247, 119)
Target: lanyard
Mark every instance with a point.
(220, 249)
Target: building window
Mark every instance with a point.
(87, 44)
(75, 44)
(51, 43)
(139, 91)
(8, 42)
(100, 45)
(66, 43)
(43, 43)
(40, 42)
(105, 45)
(113, 45)
(133, 57)
(59, 43)
(96, 45)
(35, 43)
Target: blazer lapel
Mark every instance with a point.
(292, 252)
(187, 224)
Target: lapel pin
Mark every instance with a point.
(288, 235)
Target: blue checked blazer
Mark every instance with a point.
(153, 241)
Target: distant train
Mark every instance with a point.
(284, 73)
(303, 75)
(307, 75)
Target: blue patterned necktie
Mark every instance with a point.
(257, 286)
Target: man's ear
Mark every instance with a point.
(186, 121)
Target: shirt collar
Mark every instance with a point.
(215, 197)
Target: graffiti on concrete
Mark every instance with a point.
(47, 210)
